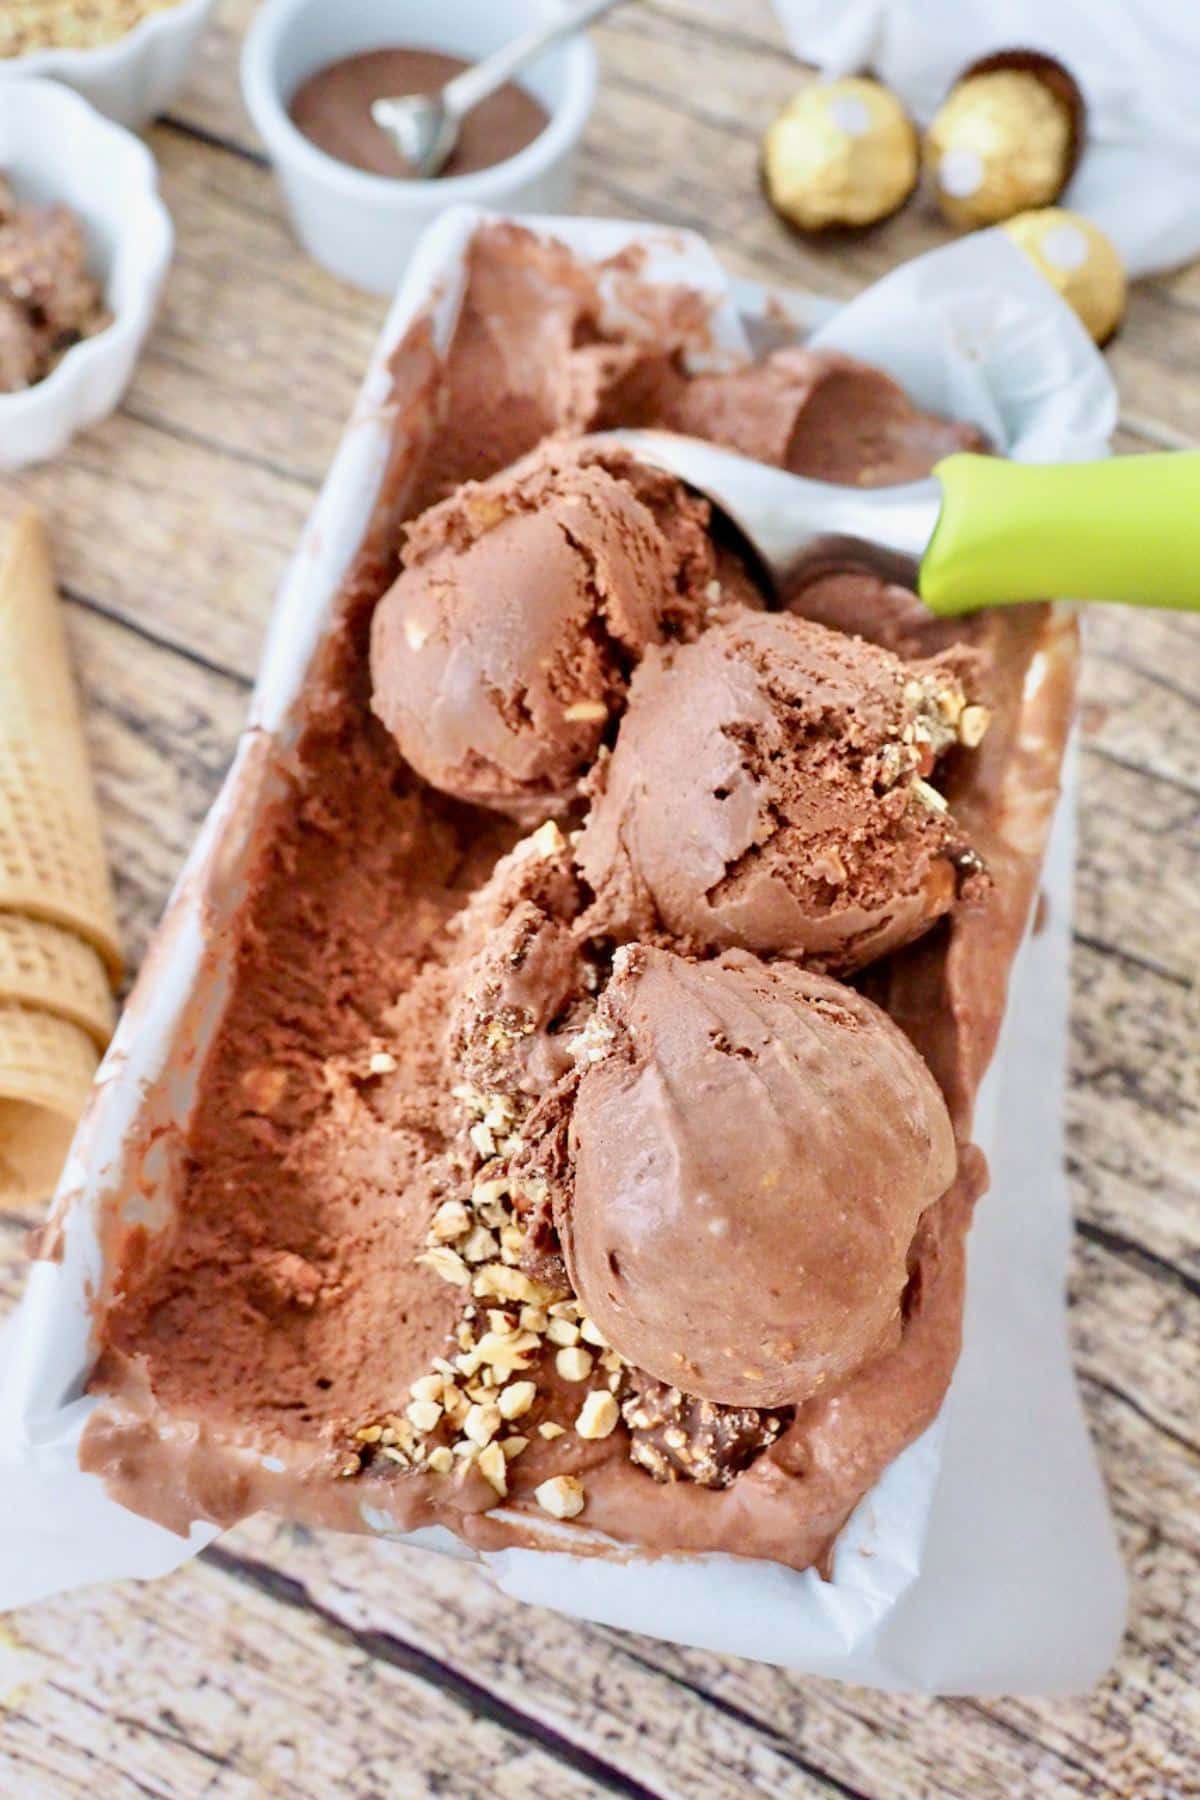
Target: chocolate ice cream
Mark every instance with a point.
(347, 1314)
(771, 788)
(503, 650)
(751, 1146)
(523, 973)
(821, 414)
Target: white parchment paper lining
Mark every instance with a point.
(984, 1560)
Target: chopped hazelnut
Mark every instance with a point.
(550, 1430)
(574, 1364)
(486, 1193)
(972, 726)
(597, 1416)
(480, 1135)
(516, 1399)
(493, 1467)
(562, 1333)
(440, 1460)
(482, 1423)
(562, 1496)
(423, 1414)
(480, 1246)
(497, 1281)
(446, 1263)
(929, 796)
(547, 840)
(450, 1221)
(503, 1352)
(456, 1405)
(263, 1088)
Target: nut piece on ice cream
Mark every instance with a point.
(500, 653)
(771, 788)
(746, 1167)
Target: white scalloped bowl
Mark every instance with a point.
(55, 146)
(134, 78)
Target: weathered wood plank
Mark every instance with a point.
(212, 1686)
(162, 731)
(315, 1665)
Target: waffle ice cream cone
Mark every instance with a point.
(51, 970)
(46, 1070)
(52, 863)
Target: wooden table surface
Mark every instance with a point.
(287, 1662)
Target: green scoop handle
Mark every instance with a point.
(1126, 529)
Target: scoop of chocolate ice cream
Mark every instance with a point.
(770, 788)
(821, 414)
(750, 1149)
(504, 647)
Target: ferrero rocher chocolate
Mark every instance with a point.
(1079, 260)
(1007, 138)
(840, 153)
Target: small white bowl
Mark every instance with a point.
(363, 227)
(137, 76)
(54, 146)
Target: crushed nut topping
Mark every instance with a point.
(598, 1415)
(562, 1496)
(937, 715)
(574, 1364)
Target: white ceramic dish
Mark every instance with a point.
(1017, 1586)
(54, 146)
(364, 227)
(135, 78)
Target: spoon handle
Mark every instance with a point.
(483, 78)
(1126, 529)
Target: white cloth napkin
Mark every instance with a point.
(1137, 62)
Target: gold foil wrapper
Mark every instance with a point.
(1006, 139)
(1078, 259)
(840, 153)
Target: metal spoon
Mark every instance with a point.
(425, 127)
(978, 532)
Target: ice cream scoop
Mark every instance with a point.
(978, 532)
(769, 788)
(501, 651)
(749, 1153)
